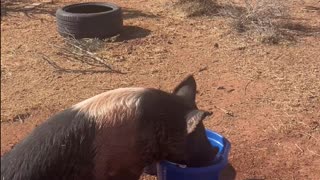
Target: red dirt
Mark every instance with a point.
(266, 98)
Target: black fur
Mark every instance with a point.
(162, 127)
(59, 149)
(166, 115)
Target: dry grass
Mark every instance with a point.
(188, 8)
(258, 19)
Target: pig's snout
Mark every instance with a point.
(202, 158)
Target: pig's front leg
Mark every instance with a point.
(151, 169)
(125, 175)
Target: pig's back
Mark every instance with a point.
(60, 148)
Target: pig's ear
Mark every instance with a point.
(187, 90)
(194, 118)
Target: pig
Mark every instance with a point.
(113, 136)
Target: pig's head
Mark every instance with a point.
(197, 149)
(185, 140)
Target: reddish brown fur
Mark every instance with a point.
(115, 112)
(112, 107)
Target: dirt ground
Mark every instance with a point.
(266, 98)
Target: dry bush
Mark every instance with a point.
(86, 44)
(81, 56)
(259, 18)
(190, 8)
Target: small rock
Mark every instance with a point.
(154, 71)
(312, 97)
(36, 4)
(203, 69)
(47, 1)
(241, 48)
(216, 45)
(231, 90)
(29, 7)
(121, 58)
(296, 105)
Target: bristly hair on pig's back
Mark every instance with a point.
(112, 107)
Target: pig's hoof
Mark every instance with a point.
(151, 169)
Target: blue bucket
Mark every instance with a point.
(170, 171)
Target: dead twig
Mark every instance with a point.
(61, 69)
(251, 81)
(312, 152)
(299, 147)
(317, 140)
(78, 56)
(230, 113)
(246, 87)
(81, 51)
(90, 54)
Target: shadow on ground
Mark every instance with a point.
(29, 9)
(300, 29)
(313, 8)
(132, 13)
(132, 32)
(228, 173)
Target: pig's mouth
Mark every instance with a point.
(202, 160)
(200, 164)
(192, 165)
(198, 160)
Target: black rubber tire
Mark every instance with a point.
(89, 20)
